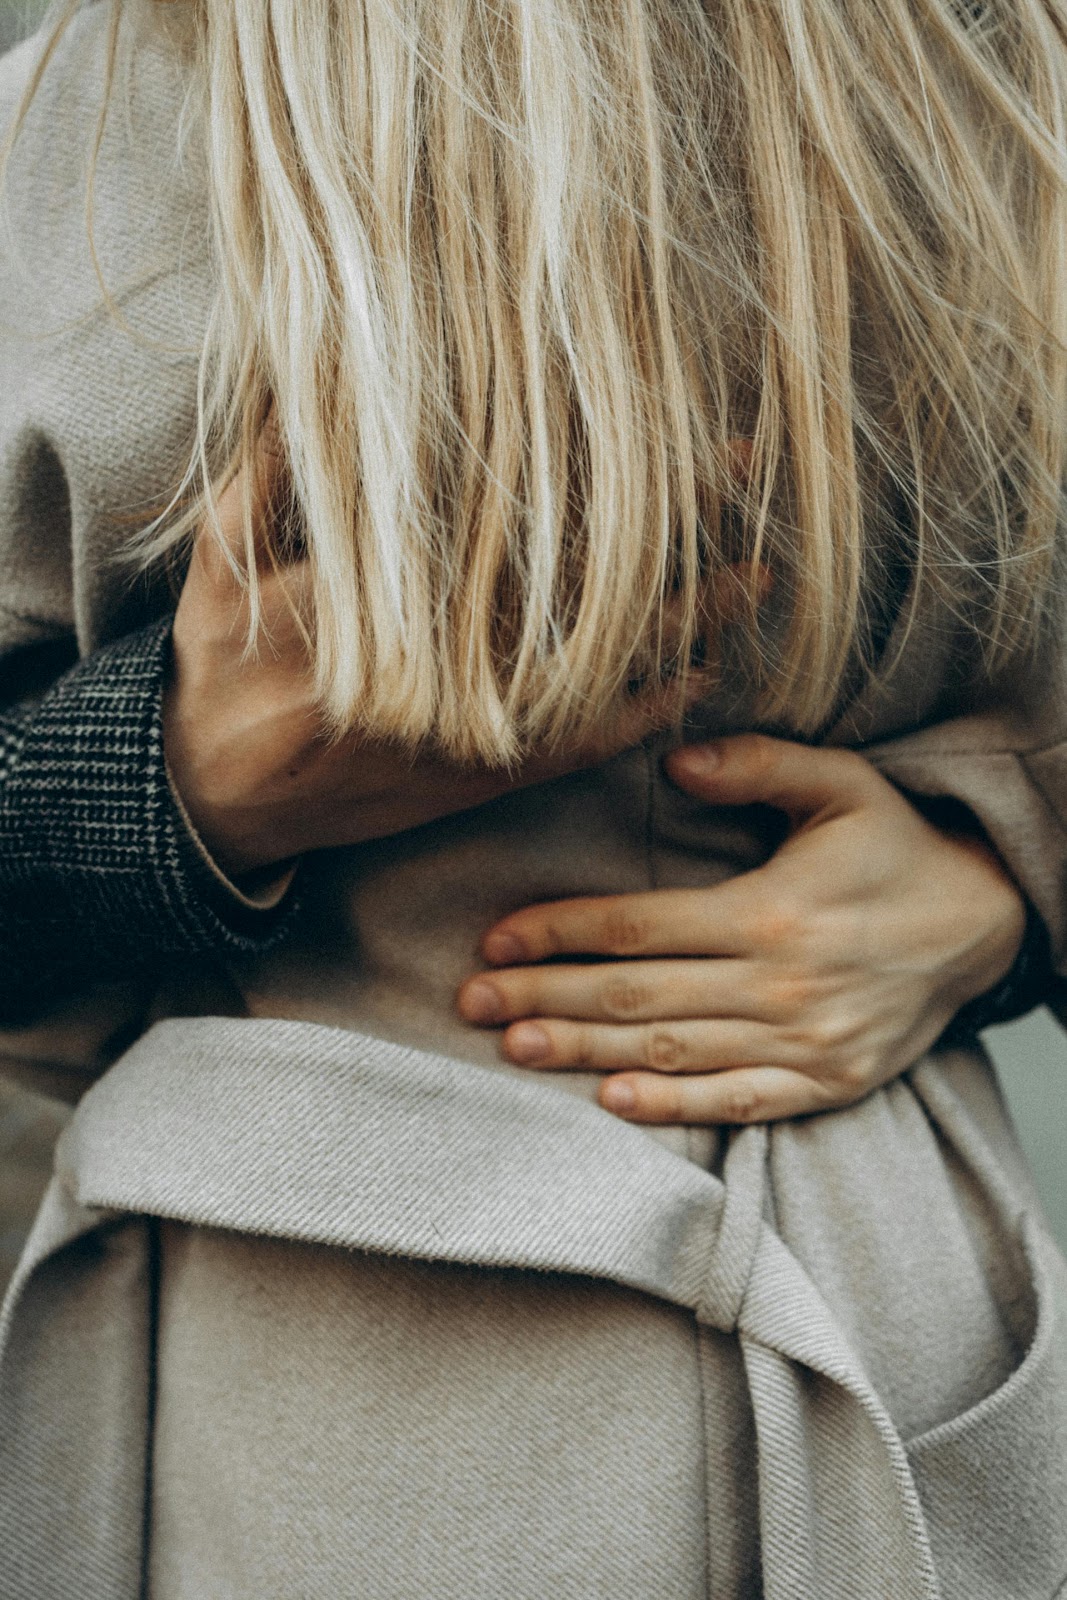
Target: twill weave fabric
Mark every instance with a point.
(326, 1298)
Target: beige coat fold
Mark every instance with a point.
(325, 1299)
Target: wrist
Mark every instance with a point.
(1023, 986)
(229, 819)
(240, 844)
(997, 949)
(261, 889)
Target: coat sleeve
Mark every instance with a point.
(105, 893)
(102, 883)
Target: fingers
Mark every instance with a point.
(750, 1094)
(662, 922)
(750, 768)
(661, 1047)
(624, 992)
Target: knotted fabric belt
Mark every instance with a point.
(313, 1134)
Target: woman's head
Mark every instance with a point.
(513, 274)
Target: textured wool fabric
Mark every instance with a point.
(334, 1412)
(325, 1298)
(99, 875)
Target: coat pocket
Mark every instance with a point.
(993, 1481)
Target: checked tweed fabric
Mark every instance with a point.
(99, 877)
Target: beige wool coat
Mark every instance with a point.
(325, 1300)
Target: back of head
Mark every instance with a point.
(517, 277)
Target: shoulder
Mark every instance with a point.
(136, 146)
(74, 63)
(103, 308)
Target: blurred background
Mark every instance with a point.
(19, 17)
(1031, 1054)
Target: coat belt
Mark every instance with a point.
(325, 1136)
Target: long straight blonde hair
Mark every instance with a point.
(516, 276)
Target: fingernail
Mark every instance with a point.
(528, 1043)
(617, 1096)
(480, 1002)
(503, 949)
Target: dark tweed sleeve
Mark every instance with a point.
(99, 876)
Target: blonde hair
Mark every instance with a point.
(516, 275)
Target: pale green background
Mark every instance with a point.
(18, 17)
(1031, 1054)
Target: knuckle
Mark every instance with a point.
(835, 1029)
(819, 1037)
(543, 935)
(792, 992)
(625, 932)
(624, 998)
(664, 1051)
(743, 1103)
(823, 1035)
(856, 1076)
(778, 923)
(514, 994)
(579, 1049)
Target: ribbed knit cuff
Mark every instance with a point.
(99, 875)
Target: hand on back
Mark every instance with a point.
(795, 988)
(245, 737)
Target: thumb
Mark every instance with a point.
(752, 768)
